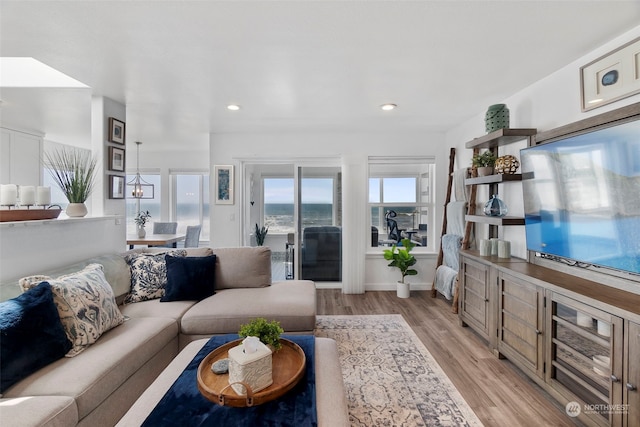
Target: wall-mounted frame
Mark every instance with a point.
(116, 131)
(224, 184)
(611, 77)
(116, 187)
(116, 159)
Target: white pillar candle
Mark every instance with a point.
(8, 194)
(27, 195)
(494, 245)
(485, 247)
(43, 196)
(504, 249)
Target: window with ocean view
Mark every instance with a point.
(400, 190)
(191, 201)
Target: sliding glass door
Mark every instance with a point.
(302, 208)
(319, 225)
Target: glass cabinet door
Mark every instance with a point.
(583, 360)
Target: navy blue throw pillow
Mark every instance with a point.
(31, 335)
(189, 278)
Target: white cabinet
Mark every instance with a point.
(20, 158)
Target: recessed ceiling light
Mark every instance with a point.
(388, 107)
(233, 107)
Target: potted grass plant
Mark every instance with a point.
(261, 234)
(401, 258)
(74, 172)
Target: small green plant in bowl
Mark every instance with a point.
(267, 332)
(486, 159)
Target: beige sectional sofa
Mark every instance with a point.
(100, 384)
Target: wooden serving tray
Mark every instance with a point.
(9, 215)
(288, 366)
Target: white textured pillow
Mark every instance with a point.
(85, 302)
(148, 275)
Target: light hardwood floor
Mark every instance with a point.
(498, 392)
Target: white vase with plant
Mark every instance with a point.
(74, 171)
(401, 258)
(141, 220)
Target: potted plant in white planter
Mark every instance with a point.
(401, 258)
(261, 234)
(484, 163)
(74, 171)
(141, 220)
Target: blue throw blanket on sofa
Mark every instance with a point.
(183, 405)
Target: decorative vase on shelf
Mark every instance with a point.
(496, 117)
(485, 170)
(507, 164)
(141, 231)
(76, 210)
(495, 207)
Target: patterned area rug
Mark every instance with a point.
(390, 377)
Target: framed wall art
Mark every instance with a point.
(611, 77)
(116, 159)
(224, 184)
(116, 187)
(116, 131)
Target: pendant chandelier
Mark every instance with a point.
(141, 189)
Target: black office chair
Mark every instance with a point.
(392, 226)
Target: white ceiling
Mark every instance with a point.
(293, 66)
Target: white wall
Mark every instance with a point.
(357, 147)
(547, 104)
(33, 246)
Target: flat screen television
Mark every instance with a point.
(582, 197)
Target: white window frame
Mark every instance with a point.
(424, 178)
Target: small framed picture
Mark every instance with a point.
(224, 184)
(116, 131)
(116, 187)
(116, 159)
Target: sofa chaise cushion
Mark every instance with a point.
(291, 302)
(31, 335)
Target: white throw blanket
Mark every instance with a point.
(446, 281)
(447, 273)
(455, 217)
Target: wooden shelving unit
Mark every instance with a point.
(501, 137)
(493, 141)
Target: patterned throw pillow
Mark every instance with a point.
(85, 302)
(148, 275)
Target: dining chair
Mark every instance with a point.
(165, 227)
(192, 240)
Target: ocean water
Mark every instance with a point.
(279, 216)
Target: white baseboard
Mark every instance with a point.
(375, 286)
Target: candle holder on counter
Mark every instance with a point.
(30, 196)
